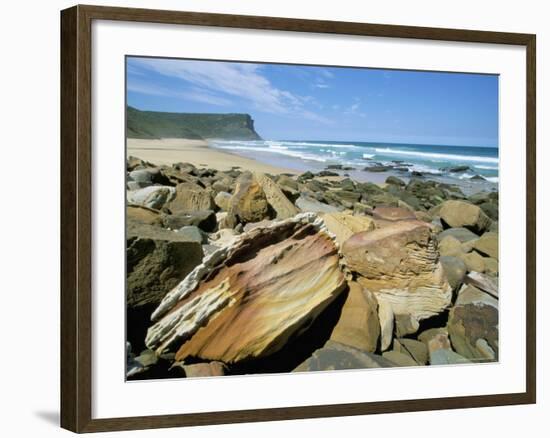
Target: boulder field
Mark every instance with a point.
(234, 272)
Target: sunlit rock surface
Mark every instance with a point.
(247, 299)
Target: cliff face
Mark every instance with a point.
(153, 124)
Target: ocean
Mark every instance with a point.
(457, 164)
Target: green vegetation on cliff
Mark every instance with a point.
(153, 124)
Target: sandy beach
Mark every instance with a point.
(172, 150)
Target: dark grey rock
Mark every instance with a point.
(477, 178)
(462, 234)
(479, 197)
(205, 220)
(455, 169)
(347, 184)
(473, 324)
(305, 176)
(327, 173)
(395, 181)
(490, 209)
(455, 269)
(149, 175)
(377, 169)
(335, 356)
(156, 261)
(444, 356)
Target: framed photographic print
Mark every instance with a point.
(270, 218)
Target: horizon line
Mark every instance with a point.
(303, 140)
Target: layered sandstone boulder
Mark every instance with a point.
(246, 300)
(400, 265)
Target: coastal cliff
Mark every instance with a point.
(156, 125)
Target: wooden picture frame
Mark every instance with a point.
(76, 217)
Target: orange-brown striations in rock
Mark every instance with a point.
(248, 299)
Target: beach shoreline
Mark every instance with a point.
(207, 154)
(167, 151)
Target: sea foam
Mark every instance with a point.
(435, 155)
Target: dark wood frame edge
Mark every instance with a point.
(76, 224)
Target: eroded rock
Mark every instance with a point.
(416, 349)
(247, 299)
(473, 317)
(335, 356)
(284, 209)
(205, 220)
(483, 282)
(156, 261)
(143, 215)
(223, 200)
(154, 197)
(358, 325)
(488, 245)
(249, 203)
(190, 197)
(399, 358)
(455, 269)
(400, 265)
(457, 214)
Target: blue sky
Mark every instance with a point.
(289, 102)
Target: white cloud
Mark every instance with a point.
(241, 80)
(131, 70)
(145, 88)
(353, 110)
(193, 94)
(201, 96)
(321, 85)
(316, 117)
